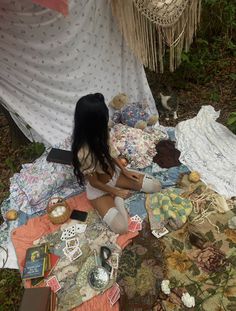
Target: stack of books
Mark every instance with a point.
(38, 299)
(39, 263)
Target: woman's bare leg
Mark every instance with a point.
(127, 183)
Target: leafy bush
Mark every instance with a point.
(231, 122)
(214, 45)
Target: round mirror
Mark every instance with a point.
(98, 278)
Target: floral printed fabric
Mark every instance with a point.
(73, 276)
(205, 267)
(141, 269)
(138, 146)
(131, 114)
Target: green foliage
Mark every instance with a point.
(231, 122)
(12, 166)
(215, 43)
(34, 150)
(10, 287)
(214, 96)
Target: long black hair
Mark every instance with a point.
(91, 130)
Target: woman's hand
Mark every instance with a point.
(131, 175)
(122, 193)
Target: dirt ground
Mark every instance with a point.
(220, 93)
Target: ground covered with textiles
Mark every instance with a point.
(197, 256)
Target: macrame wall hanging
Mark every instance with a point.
(153, 27)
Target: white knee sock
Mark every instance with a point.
(120, 206)
(116, 221)
(150, 184)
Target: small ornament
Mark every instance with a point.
(11, 215)
(194, 176)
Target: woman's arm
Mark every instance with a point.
(117, 162)
(129, 174)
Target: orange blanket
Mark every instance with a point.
(35, 228)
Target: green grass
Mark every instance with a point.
(11, 290)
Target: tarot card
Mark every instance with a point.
(77, 253)
(160, 232)
(113, 274)
(114, 260)
(136, 218)
(72, 243)
(68, 252)
(54, 284)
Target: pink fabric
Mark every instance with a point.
(35, 228)
(60, 6)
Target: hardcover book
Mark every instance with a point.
(35, 262)
(37, 299)
(53, 259)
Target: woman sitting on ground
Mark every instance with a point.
(108, 183)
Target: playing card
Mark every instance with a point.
(136, 218)
(138, 226)
(115, 298)
(80, 228)
(68, 233)
(53, 283)
(71, 231)
(160, 232)
(71, 243)
(113, 294)
(132, 226)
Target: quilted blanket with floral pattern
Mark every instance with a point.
(196, 259)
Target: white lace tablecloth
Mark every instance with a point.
(210, 148)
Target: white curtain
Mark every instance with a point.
(48, 61)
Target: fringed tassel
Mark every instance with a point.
(148, 39)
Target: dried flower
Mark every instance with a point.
(188, 301)
(165, 286)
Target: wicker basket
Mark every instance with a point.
(53, 205)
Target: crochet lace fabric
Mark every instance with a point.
(151, 27)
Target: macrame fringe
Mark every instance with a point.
(149, 39)
(208, 203)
